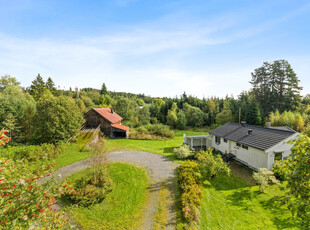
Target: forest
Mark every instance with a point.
(43, 113)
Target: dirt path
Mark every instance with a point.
(160, 169)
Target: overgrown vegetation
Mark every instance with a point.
(191, 193)
(150, 132)
(212, 164)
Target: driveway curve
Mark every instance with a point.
(160, 169)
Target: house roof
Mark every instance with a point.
(122, 127)
(109, 114)
(261, 138)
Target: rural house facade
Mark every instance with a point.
(109, 121)
(257, 147)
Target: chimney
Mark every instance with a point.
(112, 111)
(250, 131)
(268, 124)
(243, 123)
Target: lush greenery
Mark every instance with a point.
(298, 178)
(232, 203)
(212, 164)
(191, 193)
(122, 207)
(149, 132)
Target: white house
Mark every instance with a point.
(254, 146)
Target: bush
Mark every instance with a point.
(183, 152)
(33, 153)
(92, 188)
(280, 170)
(212, 165)
(189, 182)
(264, 177)
(151, 131)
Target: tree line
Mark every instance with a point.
(43, 113)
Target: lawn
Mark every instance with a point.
(74, 151)
(123, 207)
(162, 147)
(232, 203)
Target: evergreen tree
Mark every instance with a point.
(37, 87)
(104, 89)
(50, 85)
(276, 86)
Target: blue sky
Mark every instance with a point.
(159, 48)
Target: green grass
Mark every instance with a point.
(123, 207)
(74, 151)
(231, 203)
(162, 147)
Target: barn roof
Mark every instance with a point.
(260, 137)
(109, 114)
(122, 127)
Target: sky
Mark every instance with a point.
(157, 47)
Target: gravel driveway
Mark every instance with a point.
(160, 169)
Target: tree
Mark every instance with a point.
(276, 86)
(37, 87)
(7, 81)
(172, 115)
(181, 120)
(57, 118)
(50, 85)
(22, 107)
(11, 125)
(298, 177)
(224, 117)
(155, 108)
(104, 89)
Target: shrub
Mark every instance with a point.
(151, 131)
(189, 181)
(33, 153)
(212, 165)
(264, 177)
(183, 152)
(280, 170)
(27, 196)
(92, 188)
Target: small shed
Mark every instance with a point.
(109, 121)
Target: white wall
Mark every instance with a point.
(281, 147)
(251, 156)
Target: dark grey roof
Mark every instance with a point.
(261, 138)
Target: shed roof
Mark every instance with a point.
(122, 127)
(261, 138)
(109, 114)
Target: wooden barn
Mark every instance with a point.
(109, 121)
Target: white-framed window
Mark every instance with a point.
(238, 145)
(245, 147)
(278, 156)
(217, 140)
(225, 140)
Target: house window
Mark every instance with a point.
(217, 140)
(278, 156)
(225, 140)
(239, 145)
(245, 147)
